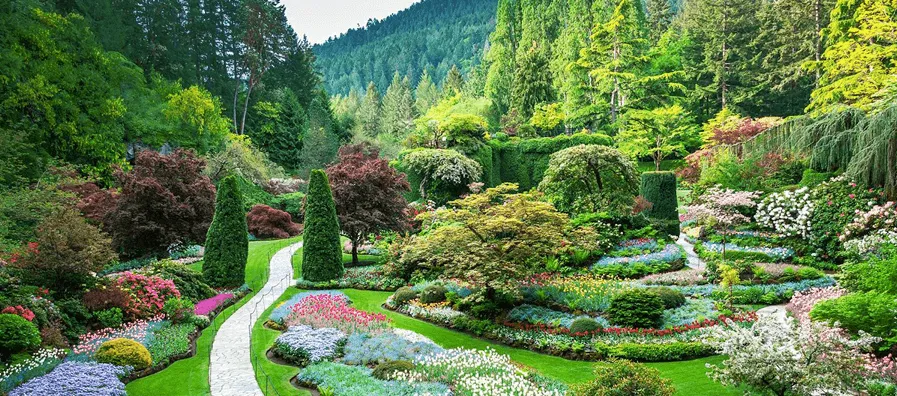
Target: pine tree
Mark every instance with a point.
(322, 258)
(227, 243)
(532, 81)
(503, 49)
(660, 15)
(453, 83)
(426, 94)
(369, 112)
(398, 108)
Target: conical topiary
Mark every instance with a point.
(659, 188)
(227, 243)
(322, 258)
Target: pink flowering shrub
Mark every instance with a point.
(148, 293)
(138, 331)
(803, 301)
(883, 368)
(722, 206)
(21, 311)
(333, 311)
(204, 307)
(880, 217)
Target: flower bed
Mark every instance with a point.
(363, 278)
(333, 311)
(589, 293)
(282, 310)
(537, 315)
(755, 294)
(365, 349)
(685, 277)
(735, 252)
(343, 380)
(303, 345)
(169, 342)
(207, 306)
(37, 365)
(670, 258)
(138, 331)
(74, 378)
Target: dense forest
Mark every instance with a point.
(431, 36)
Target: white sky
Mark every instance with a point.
(321, 19)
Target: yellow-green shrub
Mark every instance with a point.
(124, 352)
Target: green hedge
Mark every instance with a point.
(322, 258)
(659, 188)
(521, 161)
(227, 243)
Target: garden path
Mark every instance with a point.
(693, 261)
(776, 311)
(230, 368)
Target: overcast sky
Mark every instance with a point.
(321, 19)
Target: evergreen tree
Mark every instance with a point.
(572, 81)
(398, 108)
(426, 94)
(227, 243)
(532, 81)
(369, 113)
(322, 258)
(861, 57)
(282, 124)
(503, 41)
(453, 83)
(660, 15)
(319, 149)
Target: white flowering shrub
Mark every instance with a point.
(787, 212)
(871, 243)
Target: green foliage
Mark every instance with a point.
(290, 203)
(187, 280)
(636, 308)
(281, 127)
(124, 352)
(659, 188)
(240, 158)
(671, 298)
(657, 133)
(442, 174)
(109, 318)
(624, 378)
(877, 273)
(584, 325)
(227, 242)
(403, 295)
(433, 294)
(872, 312)
(19, 335)
(590, 179)
(178, 310)
(386, 370)
(322, 258)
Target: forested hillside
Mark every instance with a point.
(432, 35)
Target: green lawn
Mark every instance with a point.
(689, 377)
(665, 165)
(190, 377)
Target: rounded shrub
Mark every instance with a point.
(659, 188)
(322, 256)
(622, 377)
(267, 222)
(386, 370)
(433, 294)
(671, 298)
(404, 295)
(124, 352)
(227, 243)
(18, 335)
(178, 309)
(584, 325)
(636, 308)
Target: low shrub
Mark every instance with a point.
(655, 352)
(188, 281)
(365, 349)
(112, 317)
(178, 309)
(872, 312)
(105, 297)
(124, 352)
(584, 325)
(290, 203)
(170, 341)
(636, 308)
(433, 294)
(622, 377)
(17, 334)
(302, 345)
(386, 370)
(148, 293)
(671, 298)
(266, 222)
(404, 295)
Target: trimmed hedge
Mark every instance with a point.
(18, 335)
(227, 243)
(322, 258)
(659, 188)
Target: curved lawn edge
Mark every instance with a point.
(190, 377)
(689, 376)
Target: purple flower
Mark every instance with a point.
(208, 305)
(75, 378)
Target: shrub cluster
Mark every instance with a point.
(659, 188)
(636, 308)
(266, 222)
(18, 335)
(124, 352)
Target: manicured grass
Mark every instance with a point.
(272, 375)
(347, 258)
(190, 377)
(689, 377)
(665, 165)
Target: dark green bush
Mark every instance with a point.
(623, 378)
(584, 325)
(188, 280)
(74, 317)
(290, 203)
(671, 298)
(872, 312)
(433, 294)
(636, 308)
(18, 335)
(227, 243)
(385, 370)
(178, 309)
(404, 295)
(659, 188)
(111, 317)
(322, 258)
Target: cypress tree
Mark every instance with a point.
(322, 258)
(659, 188)
(227, 243)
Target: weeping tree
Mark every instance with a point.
(591, 178)
(875, 161)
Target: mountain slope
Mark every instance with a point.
(431, 35)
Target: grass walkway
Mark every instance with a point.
(190, 377)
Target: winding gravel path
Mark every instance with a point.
(230, 368)
(693, 260)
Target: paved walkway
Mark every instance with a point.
(693, 260)
(776, 311)
(230, 368)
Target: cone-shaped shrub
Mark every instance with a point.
(322, 258)
(227, 243)
(659, 188)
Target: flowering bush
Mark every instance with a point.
(365, 349)
(475, 372)
(787, 212)
(836, 203)
(325, 310)
(871, 243)
(205, 307)
(685, 277)
(723, 206)
(879, 217)
(74, 378)
(148, 293)
(140, 331)
(803, 301)
(20, 311)
(343, 380)
(303, 345)
(282, 310)
(35, 366)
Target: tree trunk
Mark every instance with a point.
(234, 107)
(246, 107)
(891, 176)
(354, 253)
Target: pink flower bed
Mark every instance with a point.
(148, 293)
(802, 302)
(884, 368)
(325, 310)
(208, 305)
(137, 330)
